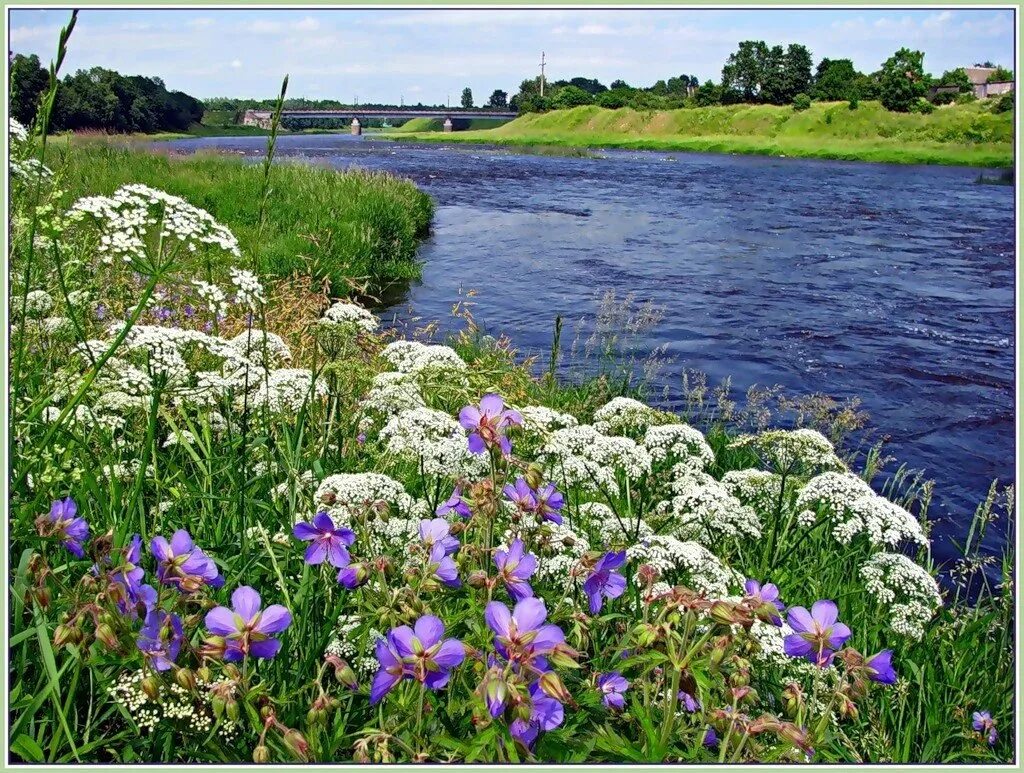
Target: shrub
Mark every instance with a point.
(801, 102)
(965, 97)
(854, 103)
(922, 106)
(1004, 104)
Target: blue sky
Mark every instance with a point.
(430, 55)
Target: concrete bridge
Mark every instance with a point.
(262, 118)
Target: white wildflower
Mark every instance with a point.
(435, 440)
(349, 314)
(582, 456)
(626, 416)
(906, 589)
(794, 450)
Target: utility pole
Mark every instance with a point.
(542, 73)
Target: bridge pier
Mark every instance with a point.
(448, 124)
(357, 128)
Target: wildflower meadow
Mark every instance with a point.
(247, 523)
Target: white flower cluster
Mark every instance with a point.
(625, 416)
(174, 703)
(687, 563)
(287, 390)
(249, 290)
(679, 443)
(390, 393)
(349, 314)
(704, 510)
(38, 303)
(352, 498)
(759, 489)
(136, 213)
(614, 530)
(29, 168)
(790, 450)
(906, 589)
(855, 509)
(343, 644)
(415, 357)
(15, 131)
(216, 300)
(435, 441)
(540, 421)
(582, 456)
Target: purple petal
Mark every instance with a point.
(323, 521)
(274, 619)
(825, 613)
(840, 633)
(800, 620)
(265, 648)
(337, 555)
(614, 586)
(476, 444)
(450, 653)
(402, 640)
(246, 602)
(316, 552)
(491, 405)
(221, 621)
(469, 417)
(305, 531)
(429, 630)
(796, 646)
(530, 614)
(160, 549)
(181, 542)
(382, 684)
(384, 654)
(498, 617)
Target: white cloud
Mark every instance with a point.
(309, 24)
(236, 63)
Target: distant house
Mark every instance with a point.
(982, 88)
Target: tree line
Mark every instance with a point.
(757, 73)
(100, 99)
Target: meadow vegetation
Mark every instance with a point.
(249, 524)
(967, 134)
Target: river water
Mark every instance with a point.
(893, 284)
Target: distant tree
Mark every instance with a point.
(744, 72)
(796, 72)
(903, 80)
(868, 86)
(986, 64)
(614, 98)
(28, 81)
(618, 84)
(570, 96)
(590, 85)
(801, 102)
(1001, 75)
(708, 94)
(467, 98)
(958, 78)
(834, 79)
(498, 99)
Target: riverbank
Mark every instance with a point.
(356, 229)
(959, 135)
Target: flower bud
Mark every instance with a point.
(523, 711)
(719, 650)
(477, 579)
(204, 673)
(564, 656)
(231, 672)
(648, 574)
(151, 686)
(455, 529)
(106, 636)
(43, 597)
(847, 708)
(724, 613)
(553, 686)
(534, 476)
(297, 742)
(217, 703)
(62, 635)
(232, 709)
(185, 678)
(261, 754)
(329, 498)
(346, 676)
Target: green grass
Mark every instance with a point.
(437, 125)
(967, 134)
(357, 229)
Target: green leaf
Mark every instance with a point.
(26, 748)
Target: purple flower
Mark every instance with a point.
(454, 504)
(523, 634)
(417, 653)
(880, 668)
(546, 713)
(437, 532)
(182, 564)
(690, 703)
(101, 311)
(353, 575)
(763, 595)
(521, 495)
(246, 628)
(766, 594)
(817, 634)
(604, 582)
(711, 738)
(327, 541)
(549, 502)
(984, 724)
(612, 687)
(442, 566)
(64, 524)
(515, 566)
(160, 639)
(487, 424)
(361, 438)
(128, 575)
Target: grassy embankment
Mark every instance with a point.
(437, 124)
(357, 229)
(958, 134)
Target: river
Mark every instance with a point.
(893, 284)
